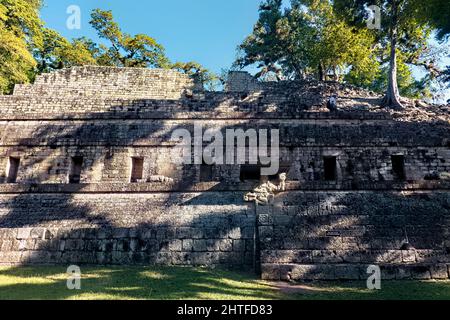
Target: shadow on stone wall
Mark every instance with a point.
(219, 228)
(337, 235)
(119, 228)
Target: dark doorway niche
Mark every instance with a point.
(206, 172)
(137, 169)
(250, 173)
(398, 167)
(330, 168)
(13, 169)
(76, 166)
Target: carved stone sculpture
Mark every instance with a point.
(265, 193)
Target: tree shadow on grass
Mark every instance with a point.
(357, 290)
(177, 283)
(159, 283)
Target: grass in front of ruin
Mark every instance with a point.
(104, 283)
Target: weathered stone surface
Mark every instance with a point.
(380, 244)
(270, 272)
(439, 271)
(318, 229)
(24, 233)
(348, 272)
(312, 272)
(420, 272)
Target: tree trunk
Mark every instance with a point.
(321, 75)
(392, 98)
(336, 74)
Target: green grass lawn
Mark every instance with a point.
(193, 283)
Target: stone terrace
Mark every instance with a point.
(88, 178)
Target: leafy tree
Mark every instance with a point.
(57, 52)
(446, 75)
(335, 45)
(20, 30)
(308, 39)
(27, 48)
(408, 86)
(436, 13)
(137, 51)
(126, 50)
(406, 27)
(197, 72)
(80, 51)
(265, 45)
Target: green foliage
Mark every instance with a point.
(137, 51)
(307, 39)
(379, 71)
(436, 14)
(122, 49)
(81, 51)
(27, 48)
(408, 85)
(197, 72)
(330, 40)
(57, 52)
(20, 30)
(125, 50)
(407, 25)
(265, 45)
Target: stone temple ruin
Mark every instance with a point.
(87, 178)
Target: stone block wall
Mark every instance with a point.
(154, 131)
(303, 235)
(305, 165)
(176, 215)
(241, 81)
(109, 82)
(45, 149)
(337, 235)
(364, 164)
(165, 229)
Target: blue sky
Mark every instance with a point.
(206, 31)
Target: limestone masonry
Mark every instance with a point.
(87, 178)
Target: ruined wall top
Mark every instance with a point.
(241, 81)
(109, 82)
(110, 92)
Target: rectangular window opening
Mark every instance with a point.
(75, 170)
(330, 170)
(13, 169)
(137, 169)
(250, 172)
(398, 167)
(206, 173)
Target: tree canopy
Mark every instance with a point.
(307, 39)
(324, 39)
(196, 71)
(28, 48)
(329, 39)
(125, 50)
(20, 31)
(57, 52)
(406, 26)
